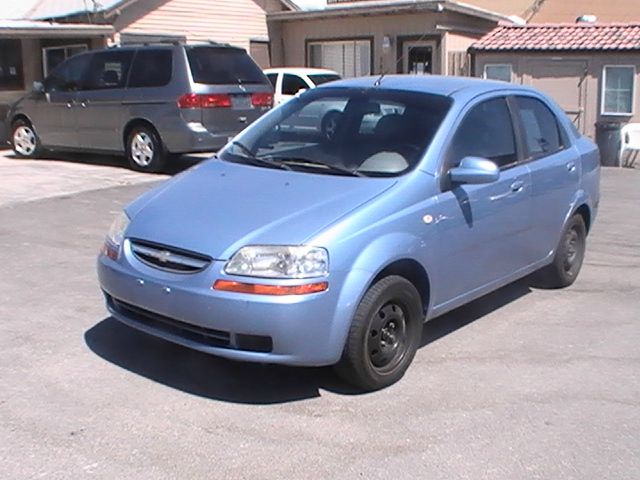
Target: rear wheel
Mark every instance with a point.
(24, 140)
(384, 335)
(145, 150)
(568, 257)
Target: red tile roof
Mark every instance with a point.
(565, 36)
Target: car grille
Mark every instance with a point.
(204, 336)
(169, 258)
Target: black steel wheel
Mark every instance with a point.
(384, 335)
(569, 256)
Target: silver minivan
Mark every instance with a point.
(146, 102)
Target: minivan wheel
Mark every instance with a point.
(24, 140)
(384, 335)
(568, 257)
(145, 150)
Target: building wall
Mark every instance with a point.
(572, 79)
(289, 37)
(227, 21)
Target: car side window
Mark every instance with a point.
(108, 70)
(541, 131)
(151, 68)
(67, 77)
(273, 78)
(292, 84)
(487, 132)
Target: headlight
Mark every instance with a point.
(115, 236)
(117, 229)
(279, 261)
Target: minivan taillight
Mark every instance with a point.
(204, 100)
(262, 99)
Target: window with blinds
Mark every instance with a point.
(350, 58)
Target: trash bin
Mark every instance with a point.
(608, 140)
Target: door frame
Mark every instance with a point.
(432, 40)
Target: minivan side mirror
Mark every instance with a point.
(38, 87)
(300, 92)
(475, 170)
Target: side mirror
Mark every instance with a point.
(38, 87)
(475, 170)
(300, 92)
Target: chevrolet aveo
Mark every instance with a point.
(302, 246)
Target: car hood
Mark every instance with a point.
(218, 207)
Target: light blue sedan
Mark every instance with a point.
(314, 246)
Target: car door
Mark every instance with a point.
(555, 172)
(99, 103)
(55, 116)
(481, 229)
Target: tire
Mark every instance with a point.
(24, 139)
(568, 258)
(384, 335)
(145, 150)
(329, 125)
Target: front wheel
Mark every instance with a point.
(145, 150)
(569, 256)
(384, 335)
(24, 140)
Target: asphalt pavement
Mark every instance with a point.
(521, 384)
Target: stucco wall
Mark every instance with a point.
(289, 37)
(533, 68)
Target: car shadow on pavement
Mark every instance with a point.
(239, 382)
(175, 164)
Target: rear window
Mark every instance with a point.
(319, 79)
(222, 66)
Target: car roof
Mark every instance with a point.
(301, 71)
(434, 84)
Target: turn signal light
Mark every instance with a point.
(262, 99)
(204, 100)
(261, 289)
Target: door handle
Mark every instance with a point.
(83, 104)
(517, 186)
(571, 167)
(69, 105)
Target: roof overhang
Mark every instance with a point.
(381, 7)
(35, 29)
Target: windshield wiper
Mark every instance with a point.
(304, 162)
(258, 161)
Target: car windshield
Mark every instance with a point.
(343, 131)
(320, 78)
(223, 66)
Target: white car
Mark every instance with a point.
(287, 82)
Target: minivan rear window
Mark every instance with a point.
(223, 66)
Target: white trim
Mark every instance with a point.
(45, 50)
(603, 87)
(509, 65)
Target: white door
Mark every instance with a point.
(418, 56)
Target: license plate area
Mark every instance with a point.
(241, 102)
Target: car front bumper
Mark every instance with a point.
(305, 330)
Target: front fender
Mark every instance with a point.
(373, 259)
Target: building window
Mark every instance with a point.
(54, 56)
(350, 58)
(11, 74)
(618, 85)
(498, 72)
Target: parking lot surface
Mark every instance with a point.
(521, 384)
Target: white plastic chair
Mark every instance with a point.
(630, 142)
